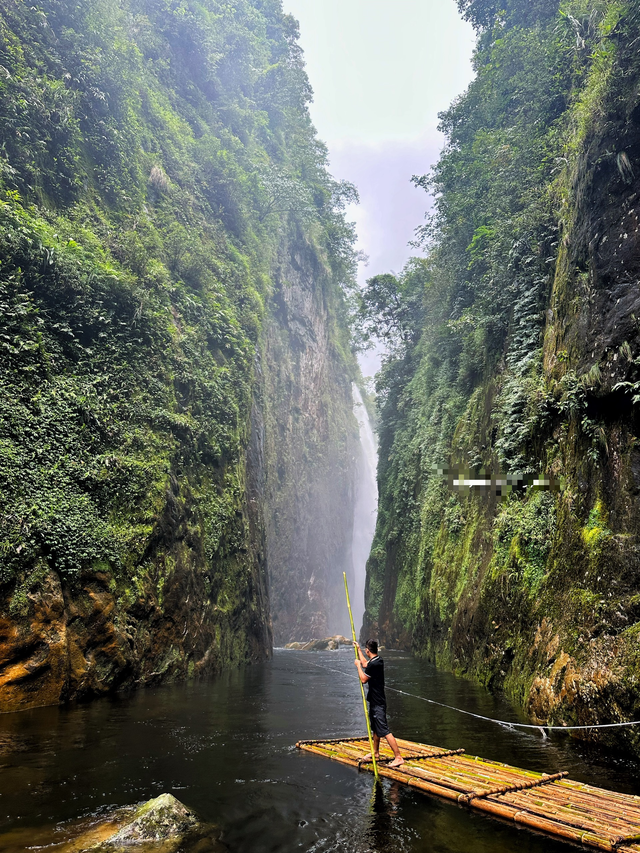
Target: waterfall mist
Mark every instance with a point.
(366, 505)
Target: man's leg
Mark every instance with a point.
(393, 743)
(376, 742)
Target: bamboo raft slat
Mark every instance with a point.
(553, 804)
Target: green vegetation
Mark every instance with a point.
(156, 157)
(513, 350)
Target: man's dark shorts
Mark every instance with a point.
(378, 717)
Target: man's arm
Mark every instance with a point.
(361, 663)
(363, 659)
(363, 677)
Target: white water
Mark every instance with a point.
(366, 505)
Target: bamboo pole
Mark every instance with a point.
(549, 802)
(417, 747)
(328, 754)
(581, 813)
(443, 753)
(602, 805)
(546, 823)
(500, 790)
(582, 787)
(579, 804)
(560, 812)
(587, 815)
(300, 743)
(540, 805)
(364, 701)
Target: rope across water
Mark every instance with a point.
(505, 723)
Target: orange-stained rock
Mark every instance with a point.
(69, 644)
(67, 640)
(33, 651)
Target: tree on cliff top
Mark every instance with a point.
(391, 308)
(484, 14)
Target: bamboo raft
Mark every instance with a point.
(552, 804)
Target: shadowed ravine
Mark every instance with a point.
(226, 749)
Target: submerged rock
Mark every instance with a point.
(162, 825)
(329, 643)
(158, 820)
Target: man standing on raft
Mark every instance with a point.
(371, 672)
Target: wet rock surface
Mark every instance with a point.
(161, 819)
(161, 825)
(536, 595)
(311, 445)
(84, 640)
(328, 644)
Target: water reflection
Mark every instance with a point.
(227, 749)
(384, 806)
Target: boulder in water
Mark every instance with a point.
(162, 825)
(329, 643)
(158, 820)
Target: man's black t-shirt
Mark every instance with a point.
(375, 670)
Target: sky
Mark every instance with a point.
(381, 71)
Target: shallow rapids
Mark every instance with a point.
(226, 748)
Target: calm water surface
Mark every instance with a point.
(227, 749)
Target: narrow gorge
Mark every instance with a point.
(193, 456)
(184, 444)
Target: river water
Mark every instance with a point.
(226, 748)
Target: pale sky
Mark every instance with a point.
(381, 71)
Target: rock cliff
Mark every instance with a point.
(522, 361)
(173, 343)
(311, 441)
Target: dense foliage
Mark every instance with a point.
(514, 358)
(155, 156)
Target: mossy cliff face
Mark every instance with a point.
(311, 449)
(158, 166)
(527, 364)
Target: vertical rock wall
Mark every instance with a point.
(175, 366)
(311, 442)
(184, 615)
(188, 611)
(535, 592)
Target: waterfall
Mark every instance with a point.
(366, 505)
